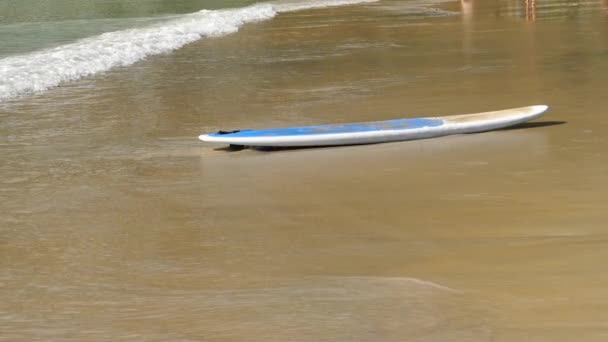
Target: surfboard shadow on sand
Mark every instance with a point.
(237, 148)
(532, 125)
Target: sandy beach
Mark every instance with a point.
(116, 223)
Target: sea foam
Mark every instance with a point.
(39, 71)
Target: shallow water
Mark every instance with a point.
(117, 224)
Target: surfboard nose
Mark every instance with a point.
(539, 109)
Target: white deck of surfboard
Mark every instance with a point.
(382, 131)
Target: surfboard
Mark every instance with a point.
(377, 131)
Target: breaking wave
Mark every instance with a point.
(45, 69)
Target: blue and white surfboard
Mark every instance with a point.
(378, 131)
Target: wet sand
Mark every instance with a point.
(117, 224)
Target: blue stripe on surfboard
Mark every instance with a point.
(400, 124)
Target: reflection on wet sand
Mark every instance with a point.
(467, 8)
(530, 10)
(467, 22)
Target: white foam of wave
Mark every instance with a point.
(39, 71)
(292, 6)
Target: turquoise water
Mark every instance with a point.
(37, 56)
(30, 25)
(27, 11)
